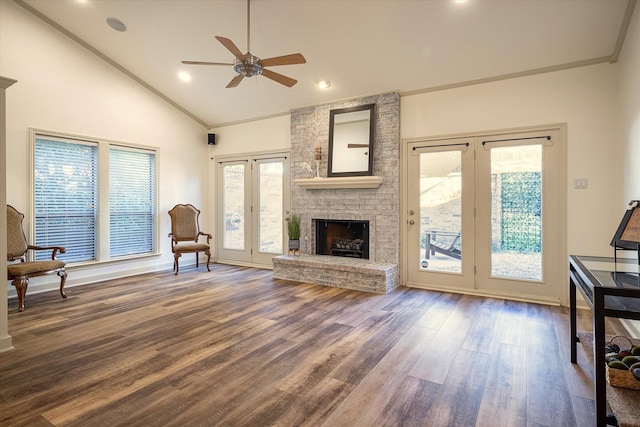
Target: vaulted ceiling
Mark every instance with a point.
(363, 47)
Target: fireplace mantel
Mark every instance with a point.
(340, 182)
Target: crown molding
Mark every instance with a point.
(5, 82)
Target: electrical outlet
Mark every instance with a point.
(581, 183)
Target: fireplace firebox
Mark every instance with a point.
(342, 238)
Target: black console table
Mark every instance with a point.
(610, 289)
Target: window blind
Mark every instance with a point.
(131, 201)
(65, 181)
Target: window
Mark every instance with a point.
(66, 190)
(131, 201)
(71, 177)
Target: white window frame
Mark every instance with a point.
(139, 197)
(103, 212)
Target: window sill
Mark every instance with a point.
(81, 265)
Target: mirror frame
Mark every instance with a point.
(372, 126)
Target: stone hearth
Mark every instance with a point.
(337, 272)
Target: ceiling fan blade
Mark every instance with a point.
(231, 47)
(284, 80)
(235, 81)
(205, 63)
(294, 58)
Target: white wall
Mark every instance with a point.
(584, 98)
(252, 137)
(63, 87)
(629, 95)
(260, 135)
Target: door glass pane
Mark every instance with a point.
(441, 211)
(233, 206)
(516, 212)
(271, 194)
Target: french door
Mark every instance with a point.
(253, 200)
(485, 214)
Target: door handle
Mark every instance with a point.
(411, 222)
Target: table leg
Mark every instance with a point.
(572, 315)
(599, 382)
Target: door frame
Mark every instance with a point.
(463, 280)
(561, 277)
(249, 218)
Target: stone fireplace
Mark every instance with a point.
(378, 207)
(347, 238)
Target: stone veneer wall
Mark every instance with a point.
(380, 206)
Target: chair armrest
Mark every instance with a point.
(12, 257)
(54, 249)
(209, 236)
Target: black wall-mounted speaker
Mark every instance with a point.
(212, 139)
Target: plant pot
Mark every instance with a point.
(294, 245)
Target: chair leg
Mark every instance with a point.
(197, 259)
(175, 262)
(21, 289)
(63, 279)
(208, 254)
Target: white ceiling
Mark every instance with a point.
(363, 47)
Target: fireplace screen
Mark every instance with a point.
(342, 238)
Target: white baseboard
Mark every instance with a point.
(87, 275)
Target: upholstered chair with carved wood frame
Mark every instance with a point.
(185, 233)
(19, 269)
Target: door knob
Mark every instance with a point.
(411, 222)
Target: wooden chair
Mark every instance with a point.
(20, 272)
(450, 247)
(185, 232)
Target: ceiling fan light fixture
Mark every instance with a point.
(248, 67)
(324, 84)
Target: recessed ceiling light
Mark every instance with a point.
(116, 24)
(184, 76)
(324, 84)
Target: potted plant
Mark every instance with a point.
(293, 229)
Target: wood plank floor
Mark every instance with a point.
(235, 347)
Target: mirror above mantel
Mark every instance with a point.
(351, 136)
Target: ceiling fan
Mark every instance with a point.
(248, 65)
